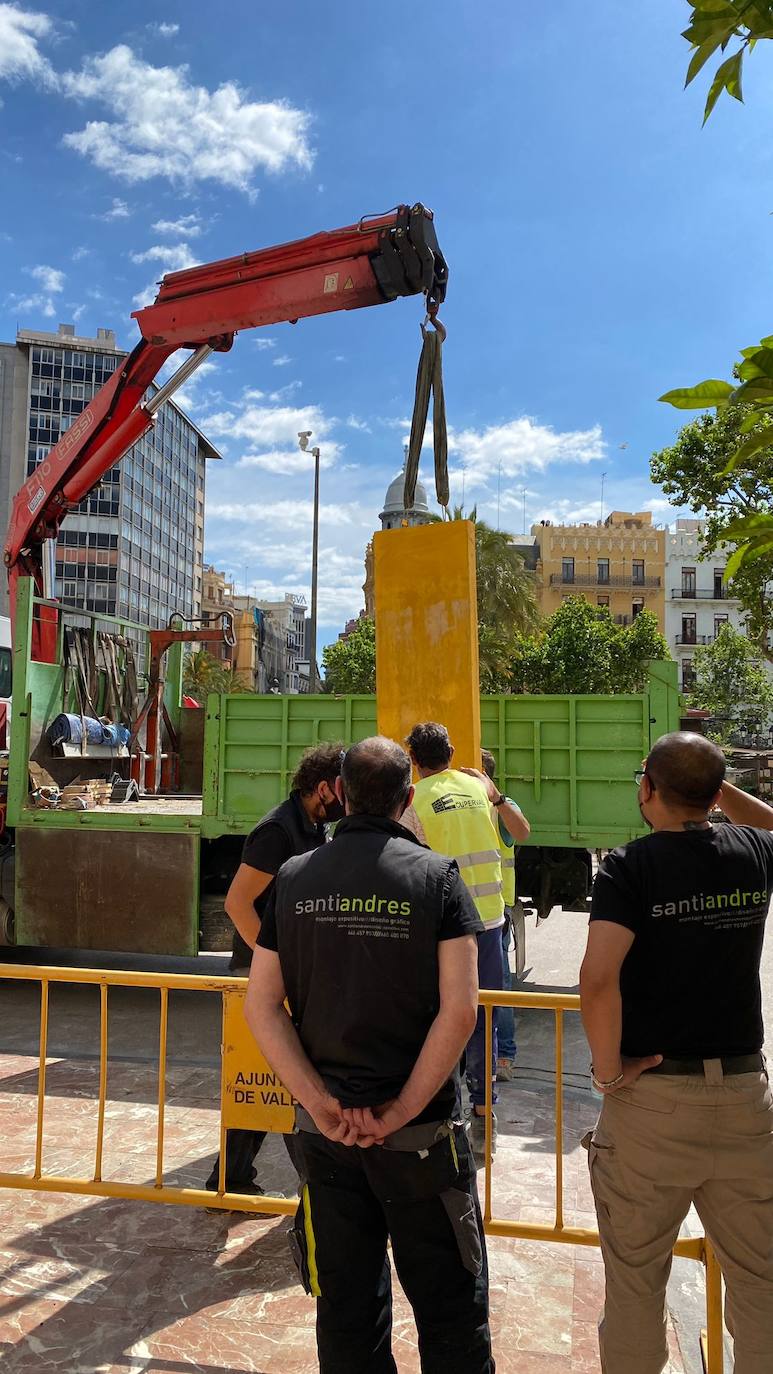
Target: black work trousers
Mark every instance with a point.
(241, 1148)
(353, 1201)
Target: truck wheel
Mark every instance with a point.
(7, 924)
(216, 932)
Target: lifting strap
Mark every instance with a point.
(106, 647)
(429, 380)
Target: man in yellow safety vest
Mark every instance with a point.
(455, 812)
(512, 932)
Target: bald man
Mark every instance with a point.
(372, 940)
(671, 1004)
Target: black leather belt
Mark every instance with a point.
(731, 1063)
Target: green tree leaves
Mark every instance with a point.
(727, 78)
(202, 673)
(731, 684)
(698, 471)
(350, 664)
(582, 650)
(714, 24)
(507, 600)
(712, 393)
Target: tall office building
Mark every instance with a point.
(134, 546)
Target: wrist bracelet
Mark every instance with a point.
(501, 799)
(601, 1086)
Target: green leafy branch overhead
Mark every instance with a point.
(714, 26)
(752, 534)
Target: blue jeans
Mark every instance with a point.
(489, 976)
(506, 1017)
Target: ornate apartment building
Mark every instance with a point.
(619, 563)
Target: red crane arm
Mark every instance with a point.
(369, 263)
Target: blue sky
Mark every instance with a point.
(602, 247)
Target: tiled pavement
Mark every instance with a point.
(92, 1286)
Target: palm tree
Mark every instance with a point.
(204, 673)
(507, 594)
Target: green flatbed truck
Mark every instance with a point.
(146, 876)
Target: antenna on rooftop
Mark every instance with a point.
(603, 479)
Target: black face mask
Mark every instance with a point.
(334, 811)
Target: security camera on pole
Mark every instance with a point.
(303, 443)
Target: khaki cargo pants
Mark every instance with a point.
(658, 1146)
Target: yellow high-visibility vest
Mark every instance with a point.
(507, 857)
(455, 814)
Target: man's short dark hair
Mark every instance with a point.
(376, 777)
(321, 763)
(430, 745)
(489, 763)
(686, 769)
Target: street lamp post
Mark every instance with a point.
(303, 442)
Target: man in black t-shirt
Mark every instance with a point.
(294, 827)
(672, 1009)
(372, 940)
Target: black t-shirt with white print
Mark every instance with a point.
(357, 926)
(696, 902)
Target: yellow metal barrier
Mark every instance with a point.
(712, 1346)
(95, 1186)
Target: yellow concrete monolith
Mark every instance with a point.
(427, 633)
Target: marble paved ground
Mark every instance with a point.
(91, 1286)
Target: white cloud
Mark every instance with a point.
(187, 226)
(20, 58)
(284, 392)
(288, 460)
(118, 210)
(284, 513)
(354, 423)
(269, 427)
(659, 504)
(282, 360)
(174, 256)
(521, 445)
(50, 278)
(36, 301)
(165, 30)
(164, 125)
(51, 282)
(567, 511)
(189, 397)
(80, 253)
(262, 343)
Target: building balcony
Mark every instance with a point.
(685, 641)
(701, 594)
(581, 579)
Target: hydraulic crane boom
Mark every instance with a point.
(369, 263)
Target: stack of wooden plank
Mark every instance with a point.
(83, 795)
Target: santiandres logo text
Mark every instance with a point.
(737, 901)
(336, 902)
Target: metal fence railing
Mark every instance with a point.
(94, 1185)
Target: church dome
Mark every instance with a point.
(393, 502)
(394, 513)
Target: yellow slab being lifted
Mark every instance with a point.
(427, 633)
(252, 1097)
